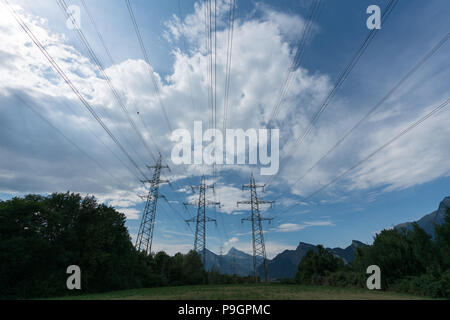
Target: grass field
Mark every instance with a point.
(247, 291)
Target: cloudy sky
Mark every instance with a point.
(50, 142)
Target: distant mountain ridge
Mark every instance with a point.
(427, 222)
(285, 264)
(234, 262)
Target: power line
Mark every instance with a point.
(405, 131)
(376, 106)
(178, 214)
(99, 35)
(341, 79)
(99, 139)
(69, 83)
(100, 67)
(146, 57)
(73, 143)
(113, 62)
(75, 90)
(185, 49)
(296, 61)
(228, 63)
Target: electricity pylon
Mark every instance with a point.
(145, 235)
(259, 249)
(201, 218)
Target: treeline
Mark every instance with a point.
(40, 236)
(410, 262)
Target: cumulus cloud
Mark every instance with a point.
(262, 51)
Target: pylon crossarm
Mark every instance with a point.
(251, 186)
(194, 219)
(265, 202)
(160, 166)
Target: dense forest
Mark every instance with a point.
(40, 236)
(410, 262)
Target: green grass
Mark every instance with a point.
(246, 291)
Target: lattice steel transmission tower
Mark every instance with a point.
(259, 249)
(145, 235)
(201, 219)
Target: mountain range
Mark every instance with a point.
(234, 262)
(285, 264)
(427, 222)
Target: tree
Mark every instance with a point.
(317, 264)
(176, 270)
(214, 275)
(193, 270)
(398, 253)
(41, 236)
(443, 242)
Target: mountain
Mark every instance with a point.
(427, 222)
(235, 261)
(285, 264)
(347, 254)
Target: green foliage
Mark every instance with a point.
(193, 271)
(443, 242)
(316, 265)
(410, 261)
(214, 275)
(427, 284)
(395, 253)
(41, 236)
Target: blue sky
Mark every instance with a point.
(402, 183)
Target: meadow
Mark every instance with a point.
(260, 291)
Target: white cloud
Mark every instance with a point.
(261, 56)
(130, 213)
(231, 241)
(415, 158)
(291, 227)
